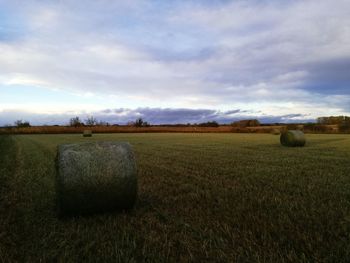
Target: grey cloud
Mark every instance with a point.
(233, 112)
(152, 115)
(287, 51)
(330, 77)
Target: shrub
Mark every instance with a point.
(91, 121)
(209, 124)
(141, 123)
(22, 124)
(76, 122)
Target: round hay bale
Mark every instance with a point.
(293, 138)
(87, 133)
(95, 177)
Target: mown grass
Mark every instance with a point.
(202, 198)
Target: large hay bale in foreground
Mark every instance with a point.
(293, 138)
(87, 133)
(95, 177)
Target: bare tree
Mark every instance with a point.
(141, 123)
(75, 122)
(21, 123)
(90, 121)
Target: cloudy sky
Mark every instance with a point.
(174, 61)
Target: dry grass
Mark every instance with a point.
(331, 129)
(202, 198)
(132, 129)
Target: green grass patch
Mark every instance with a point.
(202, 198)
(8, 199)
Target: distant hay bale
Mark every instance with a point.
(95, 177)
(275, 132)
(87, 133)
(293, 138)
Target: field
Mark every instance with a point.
(202, 198)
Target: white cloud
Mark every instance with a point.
(239, 53)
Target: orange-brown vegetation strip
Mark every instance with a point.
(332, 129)
(130, 129)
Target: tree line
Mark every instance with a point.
(92, 121)
(332, 120)
(343, 122)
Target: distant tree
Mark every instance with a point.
(343, 122)
(209, 124)
(141, 123)
(102, 123)
(331, 120)
(90, 121)
(138, 122)
(22, 124)
(76, 122)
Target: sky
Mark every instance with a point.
(174, 61)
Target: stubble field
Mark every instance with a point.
(202, 198)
